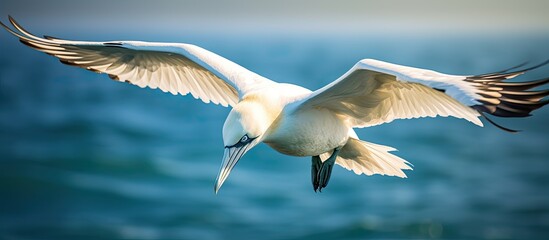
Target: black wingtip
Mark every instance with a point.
(509, 99)
(497, 125)
(10, 30)
(535, 66)
(12, 20)
(504, 70)
(505, 74)
(521, 86)
(515, 67)
(4, 25)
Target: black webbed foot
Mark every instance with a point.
(321, 171)
(315, 169)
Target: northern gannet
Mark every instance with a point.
(294, 120)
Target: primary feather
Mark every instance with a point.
(171, 67)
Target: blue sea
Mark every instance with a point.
(85, 157)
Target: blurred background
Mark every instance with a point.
(84, 157)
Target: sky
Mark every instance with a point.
(305, 17)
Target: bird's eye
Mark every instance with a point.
(244, 138)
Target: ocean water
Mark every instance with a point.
(84, 157)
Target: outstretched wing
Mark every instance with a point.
(375, 92)
(171, 67)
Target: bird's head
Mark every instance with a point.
(244, 128)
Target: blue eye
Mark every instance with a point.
(245, 140)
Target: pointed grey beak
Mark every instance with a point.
(230, 158)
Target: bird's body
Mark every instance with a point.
(296, 121)
(291, 132)
(308, 133)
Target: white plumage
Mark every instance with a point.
(294, 120)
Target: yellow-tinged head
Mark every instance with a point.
(243, 129)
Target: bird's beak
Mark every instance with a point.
(230, 158)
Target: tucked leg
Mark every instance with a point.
(315, 169)
(321, 174)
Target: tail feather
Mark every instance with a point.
(368, 158)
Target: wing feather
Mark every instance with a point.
(171, 67)
(372, 93)
(375, 92)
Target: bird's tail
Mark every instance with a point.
(368, 158)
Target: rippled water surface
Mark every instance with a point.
(83, 157)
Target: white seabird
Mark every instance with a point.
(294, 120)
